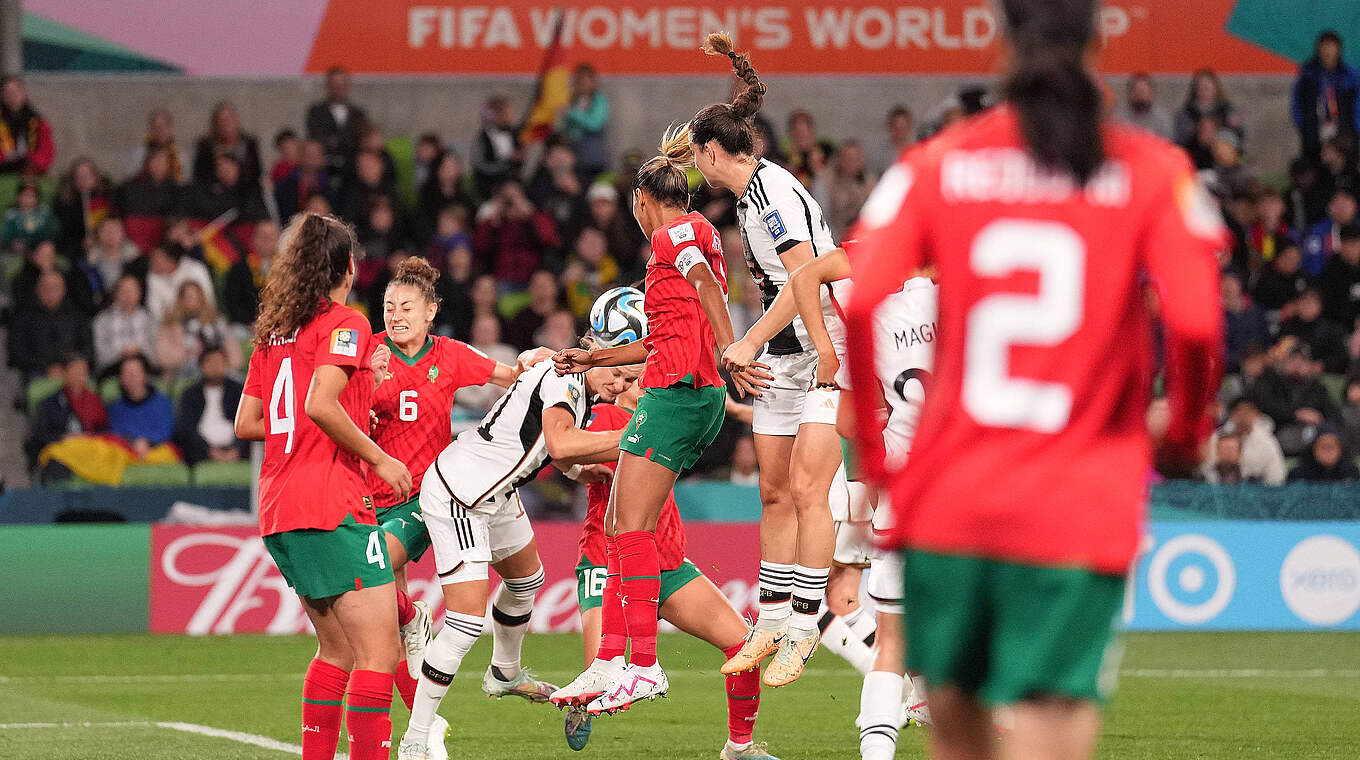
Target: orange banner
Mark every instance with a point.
(853, 37)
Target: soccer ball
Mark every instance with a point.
(617, 317)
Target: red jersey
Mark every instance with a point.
(670, 533)
(414, 404)
(679, 338)
(307, 480)
(1032, 445)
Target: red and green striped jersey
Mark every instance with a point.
(414, 403)
(679, 338)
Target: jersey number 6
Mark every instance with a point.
(1001, 321)
(406, 406)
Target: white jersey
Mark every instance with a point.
(777, 213)
(508, 449)
(904, 341)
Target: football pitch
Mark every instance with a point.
(1199, 695)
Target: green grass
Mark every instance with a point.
(1171, 704)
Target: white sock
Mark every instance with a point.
(880, 708)
(842, 640)
(442, 658)
(510, 614)
(809, 586)
(776, 586)
(918, 690)
(864, 622)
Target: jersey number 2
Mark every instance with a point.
(1002, 321)
(282, 404)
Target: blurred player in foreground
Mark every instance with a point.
(311, 362)
(1021, 504)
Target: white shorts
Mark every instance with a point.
(851, 514)
(466, 541)
(854, 544)
(779, 408)
(885, 581)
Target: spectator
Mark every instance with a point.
(842, 189)
(1246, 323)
(1325, 341)
(367, 185)
(41, 260)
(1291, 393)
(191, 327)
(900, 134)
(1350, 414)
(84, 198)
(745, 471)
(1226, 177)
(381, 236)
(1140, 106)
(1325, 98)
(1339, 284)
(1257, 457)
(450, 234)
(28, 222)
(429, 149)
(590, 272)
(622, 233)
(228, 191)
(1255, 361)
(287, 149)
(476, 401)
(109, 254)
(142, 416)
(584, 122)
(497, 154)
(170, 268)
(309, 177)
(1338, 164)
(1205, 100)
(512, 236)
(454, 289)
(124, 327)
(807, 154)
(1324, 237)
(544, 300)
(1268, 225)
(1308, 195)
(160, 135)
(1283, 280)
(372, 141)
(241, 297)
(47, 332)
(149, 198)
(485, 298)
(558, 331)
(26, 146)
(73, 410)
(1325, 460)
(226, 138)
(336, 122)
(204, 428)
(557, 190)
(446, 186)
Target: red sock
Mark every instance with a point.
(405, 610)
(406, 685)
(368, 715)
(743, 701)
(639, 586)
(323, 707)
(613, 629)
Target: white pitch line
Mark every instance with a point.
(254, 740)
(175, 678)
(1240, 673)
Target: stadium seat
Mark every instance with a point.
(1336, 386)
(156, 475)
(109, 390)
(222, 473)
(403, 153)
(175, 388)
(38, 389)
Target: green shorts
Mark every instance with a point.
(672, 426)
(404, 522)
(590, 582)
(1009, 632)
(851, 462)
(323, 563)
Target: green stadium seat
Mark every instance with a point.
(38, 389)
(1336, 386)
(403, 153)
(222, 473)
(156, 475)
(109, 390)
(177, 386)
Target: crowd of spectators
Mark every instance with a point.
(145, 288)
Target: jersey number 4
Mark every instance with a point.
(1002, 321)
(283, 404)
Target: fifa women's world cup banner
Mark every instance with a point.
(637, 37)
